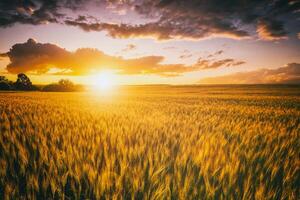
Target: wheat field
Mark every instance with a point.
(152, 142)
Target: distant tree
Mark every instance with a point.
(51, 88)
(5, 84)
(23, 83)
(66, 84)
(3, 78)
(63, 85)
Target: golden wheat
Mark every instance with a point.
(151, 143)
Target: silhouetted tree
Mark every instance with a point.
(3, 78)
(23, 83)
(5, 84)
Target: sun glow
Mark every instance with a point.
(104, 81)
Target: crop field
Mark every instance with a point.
(152, 142)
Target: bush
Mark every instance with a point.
(63, 85)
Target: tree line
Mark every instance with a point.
(23, 83)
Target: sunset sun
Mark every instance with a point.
(104, 81)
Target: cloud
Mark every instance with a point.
(32, 56)
(165, 19)
(129, 47)
(219, 52)
(210, 64)
(31, 11)
(123, 31)
(198, 19)
(185, 56)
(230, 17)
(215, 54)
(289, 74)
(162, 30)
(271, 30)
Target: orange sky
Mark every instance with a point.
(169, 43)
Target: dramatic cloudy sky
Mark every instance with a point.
(152, 41)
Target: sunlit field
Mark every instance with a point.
(152, 142)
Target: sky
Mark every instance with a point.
(151, 41)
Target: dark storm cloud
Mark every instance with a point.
(170, 19)
(163, 30)
(224, 17)
(196, 19)
(287, 74)
(271, 30)
(32, 56)
(152, 30)
(34, 11)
